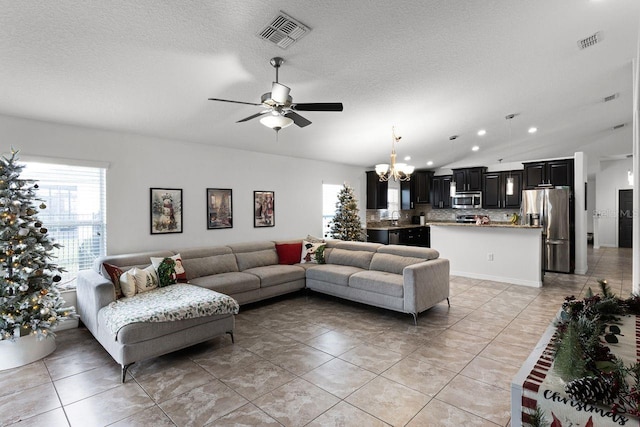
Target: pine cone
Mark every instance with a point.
(590, 389)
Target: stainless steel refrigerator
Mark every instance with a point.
(551, 207)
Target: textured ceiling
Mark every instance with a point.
(431, 68)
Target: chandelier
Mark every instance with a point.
(397, 171)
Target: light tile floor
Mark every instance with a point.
(308, 359)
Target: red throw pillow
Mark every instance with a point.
(288, 253)
(114, 273)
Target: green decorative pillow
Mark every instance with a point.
(166, 272)
(175, 271)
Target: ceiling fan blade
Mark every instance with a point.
(318, 106)
(279, 93)
(235, 102)
(297, 119)
(253, 116)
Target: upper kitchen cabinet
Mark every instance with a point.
(468, 179)
(422, 186)
(376, 191)
(440, 192)
(552, 172)
(494, 190)
(416, 190)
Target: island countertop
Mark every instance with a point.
(491, 224)
(395, 227)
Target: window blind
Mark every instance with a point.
(75, 214)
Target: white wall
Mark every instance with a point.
(580, 179)
(137, 163)
(591, 202)
(611, 178)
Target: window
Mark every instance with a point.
(75, 213)
(393, 201)
(329, 200)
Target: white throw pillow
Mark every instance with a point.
(128, 283)
(146, 279)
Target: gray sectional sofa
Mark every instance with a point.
(400, 278)
(407, 279)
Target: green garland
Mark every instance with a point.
(592, 372)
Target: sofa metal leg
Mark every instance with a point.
(232, 340)
(448, 303)
(415, 318)
(124, 372)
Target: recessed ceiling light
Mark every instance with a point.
(407, 158)
(430, 163)
(475, 148)
(533, 129)
(482, 132)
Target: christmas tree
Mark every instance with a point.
(30, 303)
(346, 222)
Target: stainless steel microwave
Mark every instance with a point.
(467, 200)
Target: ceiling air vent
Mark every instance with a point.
(611, 97)
(283, 30)
(620, 126)
(590, 41)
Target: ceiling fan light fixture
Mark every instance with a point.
(276, 122)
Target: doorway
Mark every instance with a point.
(625, 218)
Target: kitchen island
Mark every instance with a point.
(501, 252)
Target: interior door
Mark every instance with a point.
(625, 218)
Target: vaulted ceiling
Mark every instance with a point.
(432, 68)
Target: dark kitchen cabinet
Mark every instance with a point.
(378, 236)
(552, 172)
(376, 191)
(468, 179)
(440, 195)
(417, 190)
(422, 186)
(407, 195)
(415, 236)
(494, 190)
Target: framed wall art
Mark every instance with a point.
(166, 210)
(264, 209)
(219, 208)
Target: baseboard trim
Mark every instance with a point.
(511, 280)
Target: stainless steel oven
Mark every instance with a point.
(467, 200)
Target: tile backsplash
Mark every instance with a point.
(404, 217)
(495, 215)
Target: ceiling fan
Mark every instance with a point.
(280, 110)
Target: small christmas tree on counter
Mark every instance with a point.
(346, 222)
(29, 299)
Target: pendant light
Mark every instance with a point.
(452, 186)
(509, 190)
